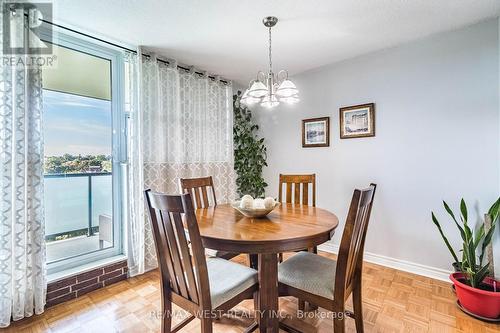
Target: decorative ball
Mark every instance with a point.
(269, 203)
(246, 202)
(258, 204)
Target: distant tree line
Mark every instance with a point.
(68, 163)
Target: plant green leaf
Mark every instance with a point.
(471, 252)
(479, 236)
(450, 212)
(494, 211)
(463, 217)
(463, 210)
(436, 222)
(479, 276)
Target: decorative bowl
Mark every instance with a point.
(255, 213)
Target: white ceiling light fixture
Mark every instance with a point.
(270, 89)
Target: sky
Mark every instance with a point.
(76, 125)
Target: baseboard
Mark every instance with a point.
(403, 265)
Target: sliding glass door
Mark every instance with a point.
(84, 138)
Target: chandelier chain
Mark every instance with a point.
(270, 52)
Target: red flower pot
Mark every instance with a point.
(480, 302)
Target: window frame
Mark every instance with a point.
(118, 152)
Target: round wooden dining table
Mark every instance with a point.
(287, 228)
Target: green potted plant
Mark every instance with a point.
(477, 293)
(250, 152)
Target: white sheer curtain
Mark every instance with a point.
(22, 233)
(183, 126)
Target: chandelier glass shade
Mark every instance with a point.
(270, 89)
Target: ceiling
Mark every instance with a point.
(227, 37)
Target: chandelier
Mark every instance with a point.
(270, 89)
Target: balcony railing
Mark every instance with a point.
(73, 203)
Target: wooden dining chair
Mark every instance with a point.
(329, 283)
(199, 188)
(297, 192)
(203, 287)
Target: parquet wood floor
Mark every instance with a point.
(394, 301)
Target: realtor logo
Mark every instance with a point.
(22, 26)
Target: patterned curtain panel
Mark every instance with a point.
(22, 235)
(186, 132)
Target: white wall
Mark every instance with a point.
(437, 137)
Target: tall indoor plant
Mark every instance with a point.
(250, 152)
(476, 292)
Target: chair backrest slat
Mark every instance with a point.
(181, 272)
(205, 196)
(187, 263)
(162, 247)
(305, 192)
(197, 197)
(296, 194)
(289, 193)
(194, 186)
(176, 258)
(350, 257)
(294, 184)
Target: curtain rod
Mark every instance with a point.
(127, 49)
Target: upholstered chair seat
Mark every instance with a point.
(309, 272)
(228, 279)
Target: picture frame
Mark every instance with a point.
(357, 121)
(316, 132)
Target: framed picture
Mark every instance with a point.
(357, 121)
(316, 132)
